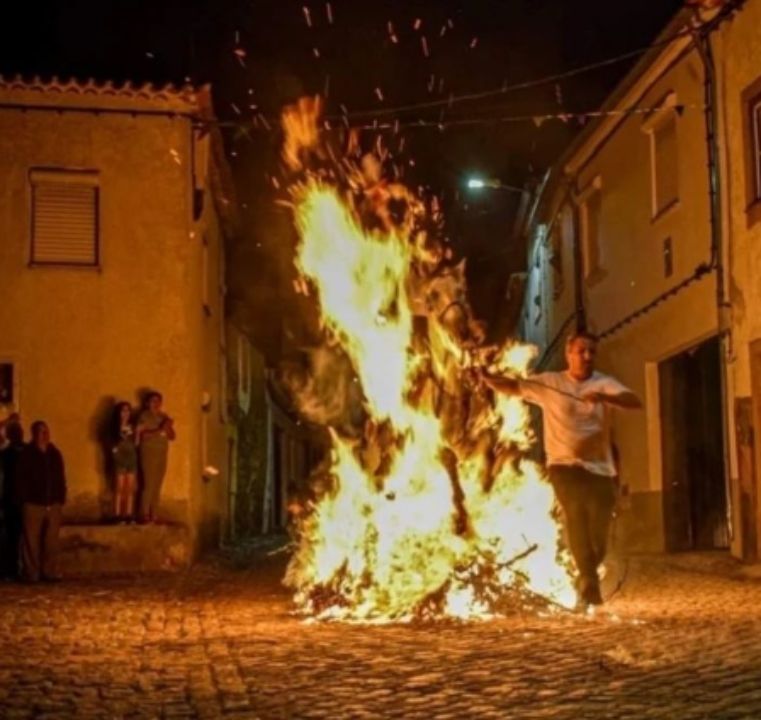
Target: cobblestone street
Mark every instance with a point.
(219, 641)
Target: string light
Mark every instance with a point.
(538, 119)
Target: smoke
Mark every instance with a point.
(324, 388)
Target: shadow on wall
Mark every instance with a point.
(101, 431)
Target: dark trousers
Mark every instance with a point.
(39, 549)
(587, 501)
(9, 564)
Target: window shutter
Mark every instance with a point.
(666, 165)
(590, 229)
(64, 218)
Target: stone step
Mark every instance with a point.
(104, 549)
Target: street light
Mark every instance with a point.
(477, 183)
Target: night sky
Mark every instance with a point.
(284, 52)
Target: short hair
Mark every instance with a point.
(580, 335)
(37, 425)
(15, 433)
(153, 394)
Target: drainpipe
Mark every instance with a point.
(701, 38)
(703, 45)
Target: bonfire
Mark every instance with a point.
(429, 506)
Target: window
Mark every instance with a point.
(561, 239)
(755, 147)
(661, 127)
(590, 205)
(64, 217)
(668, 258)
(665, 168)
(751, 119)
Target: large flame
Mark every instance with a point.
(432, 510)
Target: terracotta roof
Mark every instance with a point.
(89, 93)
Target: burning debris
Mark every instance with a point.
(428, 506)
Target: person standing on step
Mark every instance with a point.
(125, 463)
(155, 429)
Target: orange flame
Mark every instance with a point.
(300, 127)
(434, 511)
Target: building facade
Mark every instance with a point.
(642, 234)
(114, 217)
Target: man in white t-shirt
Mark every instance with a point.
(577, 407)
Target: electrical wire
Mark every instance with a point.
(537, 118)
(505, 89)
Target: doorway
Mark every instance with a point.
(692, 441)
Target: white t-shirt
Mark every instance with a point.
(575, 432)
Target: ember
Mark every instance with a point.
(428, 507)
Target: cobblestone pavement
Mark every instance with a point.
(219, 641)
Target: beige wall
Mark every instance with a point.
(631, 240)
(632, 272)
(82, 337)
(210, 498)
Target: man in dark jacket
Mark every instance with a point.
(42, 490)
(11, 506)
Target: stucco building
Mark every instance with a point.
(114, 213)
(645, 233)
